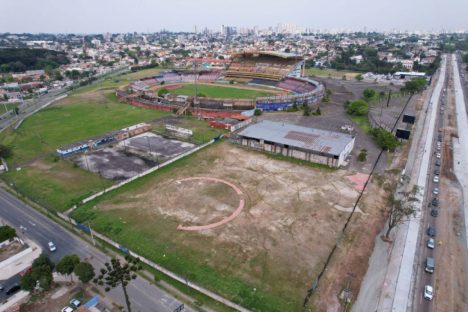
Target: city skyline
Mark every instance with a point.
(86, 16)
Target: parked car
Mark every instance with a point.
(430, 243)
(67, 309)
(435, 179)
(430, 265)
(436, 171)
(431, 231)
(437, 162)
(435, 202)
(435, 191)
(13, 289)
(51, 246)
(428, 292)
(434, 212)
(75, 303)
(438, 155)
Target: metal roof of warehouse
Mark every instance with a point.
(298, 136)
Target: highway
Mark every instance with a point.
(39, 228)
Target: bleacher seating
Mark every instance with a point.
(261, 66)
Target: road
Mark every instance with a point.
(29, 107)
(144, 296)
(423, 252)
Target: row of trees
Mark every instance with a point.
(40, 278)
(114, 273)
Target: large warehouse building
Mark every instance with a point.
(314, 145)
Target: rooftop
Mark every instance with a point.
(328, 142)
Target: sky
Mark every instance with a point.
(99, 16)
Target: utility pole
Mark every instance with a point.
(91, 232)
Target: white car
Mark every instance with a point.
(428, 292)
(51, 246)
(67, 309)
(435, 191)
(436, 179)
(438, 155)
(430, 243)
(75, 303)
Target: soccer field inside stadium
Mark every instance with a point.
(217, 91)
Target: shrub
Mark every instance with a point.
(5, 151)
(369, 94)
(358, 108)
(362, 155)
(258, 112)
(359, 77)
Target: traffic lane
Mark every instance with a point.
(426, 278)
(144, 295)
(42, 230)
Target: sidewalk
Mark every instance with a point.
(22, 261)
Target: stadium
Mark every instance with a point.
(265, 80)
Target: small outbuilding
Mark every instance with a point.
(314, 145)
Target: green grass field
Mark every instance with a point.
(55, 184)
(328, 72)
(216, 91)
(75, 118)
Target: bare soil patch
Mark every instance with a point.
(279, 241)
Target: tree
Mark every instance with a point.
(84, 271)
(368, 94)
(115, 274)
(385, 139)
(67, 264)
(6, 232)
(40, 274)
(401, 209)
(358, 108)
(359, 77)
(415, 85)
(257, 112)
(465, 58)
(306, 110)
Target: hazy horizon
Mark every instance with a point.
(87, 16)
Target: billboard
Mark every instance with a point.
(403, 134)
(409, 119)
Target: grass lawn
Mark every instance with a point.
(75, 118)
(328, 72)
(55, 184)
(362, 122)
(9, 106)
(216, 91)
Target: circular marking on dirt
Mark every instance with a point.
(223, 221)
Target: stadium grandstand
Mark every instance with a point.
(264, 65)
(266, 70)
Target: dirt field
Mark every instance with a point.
(277, 244)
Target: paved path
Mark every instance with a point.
(223, 221)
